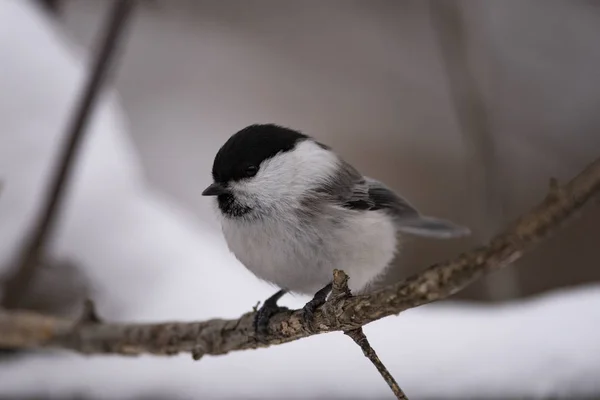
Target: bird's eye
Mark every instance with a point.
(251, 170)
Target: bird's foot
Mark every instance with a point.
(265, 312)
(317, 301)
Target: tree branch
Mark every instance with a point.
(340, 312)
(473, 118)
(35, 247)
(360, 339)
(53, 6)
(340, 290)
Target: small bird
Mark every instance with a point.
(292, 211)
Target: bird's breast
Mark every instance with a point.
(300, 255)
(274, 251)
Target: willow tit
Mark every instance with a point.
(292, 211)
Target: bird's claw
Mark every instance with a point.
(265, 312)
(317, 301)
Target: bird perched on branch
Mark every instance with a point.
(292, 211)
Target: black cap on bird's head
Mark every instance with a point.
(240, 157)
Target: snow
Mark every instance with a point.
(150, 260)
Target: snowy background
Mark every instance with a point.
(145, 241)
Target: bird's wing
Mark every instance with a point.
(353, 191)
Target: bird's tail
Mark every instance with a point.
(432, 227)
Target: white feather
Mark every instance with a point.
(282, 180)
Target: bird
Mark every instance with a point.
(292, 210)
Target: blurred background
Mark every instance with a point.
(466, 108)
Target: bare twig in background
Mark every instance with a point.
(34, 249)
(340, 313)
(51, 5)
(474, 124)
(59, 287)
(360, 339)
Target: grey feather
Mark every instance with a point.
(354, 191)
(408, 219)
(348, 188)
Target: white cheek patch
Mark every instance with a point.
(284, 178)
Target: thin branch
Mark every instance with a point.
(360, 339)
(466, 98)
(340, 313)
(34, 249)
(53, 6)
(339, 291)
(473, 118)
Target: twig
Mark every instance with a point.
(466, 98)
(360, 339)
(340, 313)
(474, 125)
(34, 249)
(53, 6)
(339, 291)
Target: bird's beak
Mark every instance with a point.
(215, 189)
